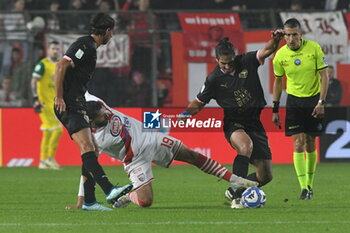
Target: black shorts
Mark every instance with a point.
(256, 132)
(299, 118)
(74, 118)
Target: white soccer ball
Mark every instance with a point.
(253, 197)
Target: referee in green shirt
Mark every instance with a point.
(303, 63)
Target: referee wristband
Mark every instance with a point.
(275, 106)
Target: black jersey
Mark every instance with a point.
(83, 54)
(241, 94)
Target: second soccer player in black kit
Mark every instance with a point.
(236, 87)
(73, 72)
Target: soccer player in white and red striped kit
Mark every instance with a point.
(121, 137)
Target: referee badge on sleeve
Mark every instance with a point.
(79, 54)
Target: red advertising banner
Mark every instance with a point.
(21, 141)
(202, 32)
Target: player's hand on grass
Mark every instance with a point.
(73, 207)
(318, 111)
(276, 119)
(60, 105)
(77, 206)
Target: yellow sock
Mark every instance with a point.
(311, 162)
(44, 146)
(300, 168)
(53, 143)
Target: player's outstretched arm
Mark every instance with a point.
(192, 109)
(272, 45)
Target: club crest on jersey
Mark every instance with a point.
(116, 126)
(141, 177)
(297, 62)
(243, 74)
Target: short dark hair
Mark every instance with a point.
(93, 108)
(100, 23)
(224, 47)
(292, 23)
(55, 42)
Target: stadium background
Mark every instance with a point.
(171, 51)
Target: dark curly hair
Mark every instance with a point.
(224, 47)
(100, 23)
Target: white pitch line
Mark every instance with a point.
(174, 223)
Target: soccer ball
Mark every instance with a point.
(253, 197)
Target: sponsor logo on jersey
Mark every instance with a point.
(151, 120)
(224, 85)
(116, 126)
(297, 62)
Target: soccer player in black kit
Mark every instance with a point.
(236, 87)
(73, 72)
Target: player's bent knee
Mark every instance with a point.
(245, 149)
(266, 179)
(146, 202)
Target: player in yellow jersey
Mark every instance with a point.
(303, 63)
(43, 87)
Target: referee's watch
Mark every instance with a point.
(322, 102)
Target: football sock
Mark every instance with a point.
(300, 168)
(53, 143)
(89, 186)
(212, 167)
(44, 145)
(240, 166)
(91, 164)
(133, 197)
(254, 178)
(311, 161)
(81, 187)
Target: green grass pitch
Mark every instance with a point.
(186, 200)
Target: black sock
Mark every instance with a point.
(91, 165)
(240, 166)
(89, 186)
(254, 178)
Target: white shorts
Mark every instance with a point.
(160, 149)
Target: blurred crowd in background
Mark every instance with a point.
(22, 45)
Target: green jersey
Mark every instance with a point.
(301, 68)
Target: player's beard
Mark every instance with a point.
(106, 40)
(99, 124)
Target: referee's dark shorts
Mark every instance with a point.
(299, 118)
